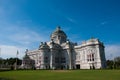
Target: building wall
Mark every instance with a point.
(90, 55)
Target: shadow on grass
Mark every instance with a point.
(5, 79)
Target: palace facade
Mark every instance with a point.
(60, 53)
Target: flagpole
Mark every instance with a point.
(16, 60)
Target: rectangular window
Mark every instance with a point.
(56, 60)
(46, 59)
(63, 60)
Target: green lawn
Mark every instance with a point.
(61, 75)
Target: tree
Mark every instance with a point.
(113, 64)
(117, 62)
(109, 64)
(10, 61)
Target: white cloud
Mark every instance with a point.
(103, 23)
(8, 51)
(26, 36)
(15, 38)
(112, 51)
(21, 35)
(70, 19)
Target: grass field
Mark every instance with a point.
(61, 75)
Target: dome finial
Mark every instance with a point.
(58, 28)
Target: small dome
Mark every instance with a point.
(44, 46)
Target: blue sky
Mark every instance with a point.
(25, 23)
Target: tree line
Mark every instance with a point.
(111, 64)
(9, 62)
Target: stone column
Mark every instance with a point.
(42, 60)
(69, 58)
(51, 59)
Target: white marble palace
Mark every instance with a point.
(60, 53)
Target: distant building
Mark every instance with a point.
(60, 53)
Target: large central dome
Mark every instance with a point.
(58, 31)
(58, 35)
